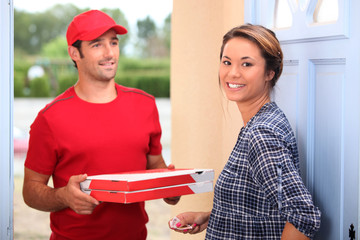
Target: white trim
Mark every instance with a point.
(6, 119)
(300, 31)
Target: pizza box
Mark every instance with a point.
(146, 179)
(150, 194)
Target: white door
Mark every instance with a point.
(319, 91)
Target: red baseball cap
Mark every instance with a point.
(91, 24)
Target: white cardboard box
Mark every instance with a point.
(139, 180)
(148, 184)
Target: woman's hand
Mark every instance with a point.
(190, 222)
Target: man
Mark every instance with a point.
(95, 127)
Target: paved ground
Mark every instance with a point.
(32, 224)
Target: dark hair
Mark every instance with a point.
(77, 44)
(266, 40)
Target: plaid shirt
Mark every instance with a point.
(260, 188)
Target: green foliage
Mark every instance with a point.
(19, 84)
(133, 64)
(65, 81)
(40, 87)
(158, 86)
(20, 77)
(152, 42)
(33, 30)
(151, 76)
(56, 48)
(167, 31)
(146, 28)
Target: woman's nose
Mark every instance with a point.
(235, 71)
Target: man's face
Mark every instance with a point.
(100, 57)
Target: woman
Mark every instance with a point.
(259, 194)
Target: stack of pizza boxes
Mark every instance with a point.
(145, 185)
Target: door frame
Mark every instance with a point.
(6, 119)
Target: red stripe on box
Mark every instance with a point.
(150, 194)
(130, 197)
(158, 193)
(108, 196)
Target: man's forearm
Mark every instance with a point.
(42, 197)
(155, 162)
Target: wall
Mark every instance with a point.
(204, 124)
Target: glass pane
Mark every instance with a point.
(303, 4)
(326, 11)
(283, 16)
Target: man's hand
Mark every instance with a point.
(155, 162)
(74, 198)
(37, 194)
(172, 200)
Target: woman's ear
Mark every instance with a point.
(73, 53)
(269, 75)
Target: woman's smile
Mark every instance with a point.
(235, 85)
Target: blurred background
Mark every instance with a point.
(42, 67)
(43, 70)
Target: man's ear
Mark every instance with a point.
(74, 53)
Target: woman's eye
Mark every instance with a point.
(246, 64)
(226, 63)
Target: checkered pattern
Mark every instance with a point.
(260, 187)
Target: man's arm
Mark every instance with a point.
(37, 194)
(155, 161)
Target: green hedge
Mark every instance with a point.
(20, 74)
(158, 86)
(65, 81)
(132, 64)
(151, 76)
(40, 87)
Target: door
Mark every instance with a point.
(319, 92)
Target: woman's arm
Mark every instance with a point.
(291, 233)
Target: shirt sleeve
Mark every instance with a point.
(274, 168)
(155, 136)
(41, 156)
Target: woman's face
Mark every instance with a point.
(242, 72)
